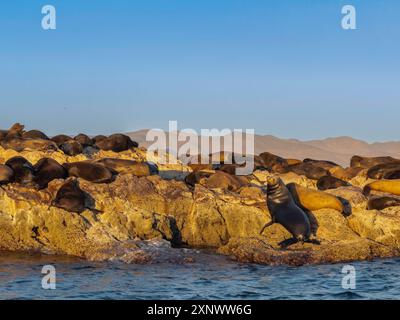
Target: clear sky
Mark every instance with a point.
(282, 67)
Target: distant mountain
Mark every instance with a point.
(339, 149)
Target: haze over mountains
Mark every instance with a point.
(339, 149)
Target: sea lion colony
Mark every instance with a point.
(285, 202)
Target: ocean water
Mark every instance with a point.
(209, 277)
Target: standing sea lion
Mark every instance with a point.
(329, 182)
(284, 210)
(117, 143)
(387, 186)
(380, 203)
(368, 162)
(46, 170)
(122, 166)
(24, 173)
(6, 174)
(93, 172)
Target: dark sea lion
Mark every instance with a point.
(71, 148)
(20, 144)
(329, 182)
(60, 139)
(284, 210)
(24, 173)
(16, 131)
(312, 200)
(195, 177)
(35, 134)
(226, 181)
(3, 134)
(379, 171)
(309, 170)
(122, 166)
(380, 203)
(368, 162)
(387, 186)
(392, 175)
(6, 174)
(93, 172)
(84, 140)
(274, 162)
(117, 143)
(46, 170)
(325, 164)
(345, 173)
(98, 138)
(72, 198)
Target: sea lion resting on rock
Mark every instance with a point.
(382, 171)
(311, 199)
(21, 144)
(35, 134)
(345, 174)
(122, 166)
(46, 170)
(226, 181)
(6, 174)
(60, 139)
(24, 173)
(196, 177)
(84, 140)
(274, 162)
(284, 210)
(387, 186)
(71, 197)
(93, 172)
(330, 182)
(325, 164)
(380, 203)
(117, 143)
(368, 162)
(309, 170)
(71, 148)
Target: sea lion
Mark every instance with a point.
(93, 172)
(117, 143)
(35, 134)
(309, 170)
(226, 181)
(71, 148)
(381, 170)
(311, 199)
(24, 173)
(6, 174)
(60, 139)
(84, 140)
(329, 182)
(46, 170)
(122, 166)
(387, 186)
(98, 138)
(195, 177)
(284, 210)
(3, 134)
(16, 131)
(380, 203)
(71, 197)
(325, 164)
(368, 162)
(345, 173)
(392, 175)
(274, 162)
(20, 144)
(293, 161)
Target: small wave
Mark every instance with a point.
(348, 295)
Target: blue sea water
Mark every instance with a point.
(209, 277)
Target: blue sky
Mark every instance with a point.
(282, 67)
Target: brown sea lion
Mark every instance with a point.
(309, 170)
(98, 138)
(35, 134)
(311, 199)
(60, 139)
(368, 162)
(387, 186)
(72, 198)
(381, 170)
(46, 170)
(84, 140)
(20, 144)
(345, 174)
(392, 175)
(3, 134)
(195, 177)
(325, 164)
(122, 166)
(226, 181)
(293, 161)
(285, 211)
(329, 182)
(117, 143)
(380, 203)
(274, 162)
(71, 148)
(6, 174)
(16, 131)
(93, 172)
(24, 173)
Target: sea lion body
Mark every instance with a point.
(122, 166)
(71, 148)
(381, 170)
(70, 197)
(387, 186)
(117, 143)
(330, 182)
(196, 177)
(284, 210)
(6, 174)
(93, 172)
(274, 162)
(24, 173)
(309, 170)
(226, 181)
(35, 134)
(368, 162)
(46, 170)
(312, 200)
(84, 140)
(324, 164)
(21, 144)
(380, 203)
(98, 138)
(345, 174)
(60, 139)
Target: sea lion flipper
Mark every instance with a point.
(267, 225)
